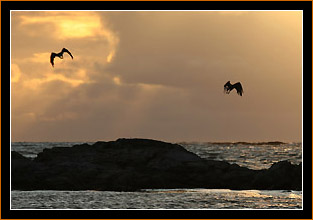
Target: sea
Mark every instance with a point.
(258, 155)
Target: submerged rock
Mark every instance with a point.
(134, 164)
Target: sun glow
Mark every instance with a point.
(70, 25)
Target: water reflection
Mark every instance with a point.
(259, 156)
(158, 199)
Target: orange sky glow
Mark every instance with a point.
(156, 74)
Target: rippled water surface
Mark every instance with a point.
(158, 199)
(251, 155)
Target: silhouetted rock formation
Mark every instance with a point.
(134, 164)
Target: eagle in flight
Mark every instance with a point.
(229, 87)
(60, 55)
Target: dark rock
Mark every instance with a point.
(21, 171)
(17, 156)
(281, 175)
(133, 164)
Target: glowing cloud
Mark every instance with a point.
(70, 25)
(117, 80)
(156, 75)
(110, 56)
(74, 25)
(79, 78)
(40, 58)
(15, 73)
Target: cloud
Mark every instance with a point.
(232, 13)
(154, 75)
(85, 34)
(65, 26)
(70, 25)
(40, 57)
(80, 78)
(15, 73)
(117, 80)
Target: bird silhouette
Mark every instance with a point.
(228, 87)
(60, 55)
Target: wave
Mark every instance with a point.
(249, 143)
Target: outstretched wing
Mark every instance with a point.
(239, 88)
(52, 59)
(66, 50)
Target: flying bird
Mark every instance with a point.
(60, 55)
(229, 87)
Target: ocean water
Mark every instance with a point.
(251, 155)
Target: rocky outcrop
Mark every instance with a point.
(134, 164)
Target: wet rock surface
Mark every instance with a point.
(134, 164)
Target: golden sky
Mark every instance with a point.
(156, 74)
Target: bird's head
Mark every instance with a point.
(227, 87)
(227, 84)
